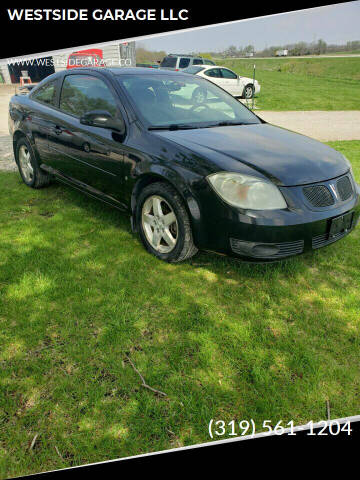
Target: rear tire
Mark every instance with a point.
(164, 223)
(29, 169)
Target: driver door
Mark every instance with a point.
(86, 154)
(230, 82)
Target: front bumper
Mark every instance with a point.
(264, 236)
(259, 251)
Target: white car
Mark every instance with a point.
(227, 79)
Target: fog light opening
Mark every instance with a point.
(265, 250)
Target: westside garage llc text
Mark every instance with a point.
(58, 14)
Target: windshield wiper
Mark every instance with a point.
(227, 123)
(187, 126)
(173, 126)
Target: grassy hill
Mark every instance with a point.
(303, 84)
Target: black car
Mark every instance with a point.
(193, 167)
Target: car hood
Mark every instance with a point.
(285, 157)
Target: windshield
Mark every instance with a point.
(169, 62)
(182, 100)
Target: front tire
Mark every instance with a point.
(199, 96)
(164, 223)
(248, 91)
(29, 169)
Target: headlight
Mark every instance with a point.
(247, 192)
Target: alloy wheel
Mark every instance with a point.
(25, 163)
(159, 224)
(199, 97)
(248, 92)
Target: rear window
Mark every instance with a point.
(46, 94)
(169, 62)
(193, 70)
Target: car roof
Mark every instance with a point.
(187, 55)
(208, 67)
(118, 71)
(108, 72)
(138, 71)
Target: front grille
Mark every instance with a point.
(270, 250)
(323, 240)
(290, 248)
(318, 196)
(344, 188)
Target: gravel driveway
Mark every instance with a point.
(323, 126)
(6, 154)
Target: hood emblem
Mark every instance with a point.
(333, 189)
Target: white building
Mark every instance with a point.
(118, 54)
(281, 53)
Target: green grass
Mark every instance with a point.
(350, 52)
(304, 84)
(223, 339)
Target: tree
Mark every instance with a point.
(249, 49)
(146, 56)
(205, 55)
(321, 47)
(231, 51)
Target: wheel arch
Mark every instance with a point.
(175, 180)
(17, 135)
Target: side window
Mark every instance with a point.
(184, 62)
(228, 73)
(213, 72)
(46, 94)
(198, 61)
(83, 93)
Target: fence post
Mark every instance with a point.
(253, 91)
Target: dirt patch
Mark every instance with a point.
(7, 161)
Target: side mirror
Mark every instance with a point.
(103, 119)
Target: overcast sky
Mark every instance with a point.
(334, 24)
